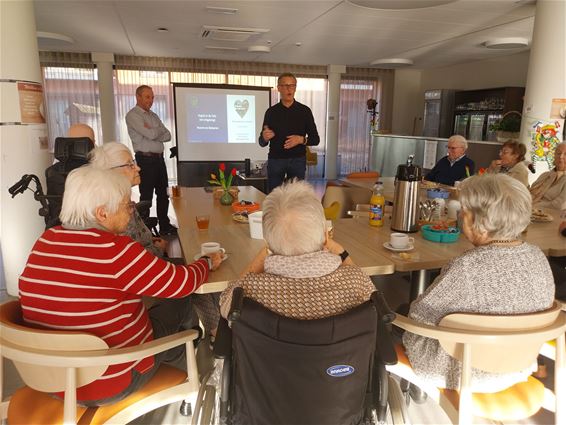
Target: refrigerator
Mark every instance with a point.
(438, 112)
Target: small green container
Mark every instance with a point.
(440, 236)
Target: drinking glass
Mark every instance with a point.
(203, 221)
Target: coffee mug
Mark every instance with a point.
(400, 240)
(210, 247)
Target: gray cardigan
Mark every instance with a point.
(487, 279)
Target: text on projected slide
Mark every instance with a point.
(219, 118)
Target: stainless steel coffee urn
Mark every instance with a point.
(406, 200)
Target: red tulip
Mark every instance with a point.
(222, 166)
(233, 171)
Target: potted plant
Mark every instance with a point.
(508, 127)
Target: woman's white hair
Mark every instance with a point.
(293, 220)
(87, 188)
(107, 155)
(500, 205)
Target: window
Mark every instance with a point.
(71, 97)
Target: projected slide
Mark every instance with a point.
(219, 121)
(207, 113)
(241, 118)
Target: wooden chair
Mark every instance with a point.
(347, 196)
(495, 344)
(51, 361)
(331, 212)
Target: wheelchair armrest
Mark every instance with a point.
(384, 312)
(223, 342)
(236, 307)
(385, 348)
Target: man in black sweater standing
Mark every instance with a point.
(288, 127)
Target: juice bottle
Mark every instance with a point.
(376, 205)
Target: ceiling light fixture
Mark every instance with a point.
(53, 36)
(259, 49)
(221, 10)
(506, 43)
(391, 63)
(162, 29)
(399, 5)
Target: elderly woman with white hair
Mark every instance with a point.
(301, 273)
(85, 276)
(549, 190)
(501, 275)
(117, 157)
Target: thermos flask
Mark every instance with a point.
(406, 199)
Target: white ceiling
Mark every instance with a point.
(313, 32)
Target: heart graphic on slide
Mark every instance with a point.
(241, 107)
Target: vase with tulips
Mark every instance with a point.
(224, 182)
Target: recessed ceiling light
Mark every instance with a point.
(506, 43)
(399, 5)
(259, 49)
(162, 29)
(221, 10)
(53, 36)
(392, 62)
(220, 48)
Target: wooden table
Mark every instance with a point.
(546, 236)
(389, 187)
(241, 249)
(196, 201)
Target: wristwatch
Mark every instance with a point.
(344, 254)
(208, 260)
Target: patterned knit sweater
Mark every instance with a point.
(487, 279)
(93, 281)
(310, 286)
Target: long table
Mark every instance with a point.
(364, 243)
(195, 201)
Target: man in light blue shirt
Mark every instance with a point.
(148, 134)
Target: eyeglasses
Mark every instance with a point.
(131, 206)
(287, 86)
(131, 164)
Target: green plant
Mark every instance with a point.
(510, 122)
(223, 182)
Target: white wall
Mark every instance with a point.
(407, 107)
(408, 100)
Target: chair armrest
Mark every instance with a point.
(95, 357)
(223, 341)
(484, 336)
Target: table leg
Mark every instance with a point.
(419, 281)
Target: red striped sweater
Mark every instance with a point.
(93, 281)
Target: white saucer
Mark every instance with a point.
(198, 255)
(388, 246)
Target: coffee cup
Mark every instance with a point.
(210, 247)
(400, 240)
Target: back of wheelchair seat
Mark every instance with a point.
(289, 371)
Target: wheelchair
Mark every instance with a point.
(278, 370)
(71, 153)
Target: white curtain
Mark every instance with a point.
(353, 133)
(70, 97)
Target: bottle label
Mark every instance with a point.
(375, 212)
